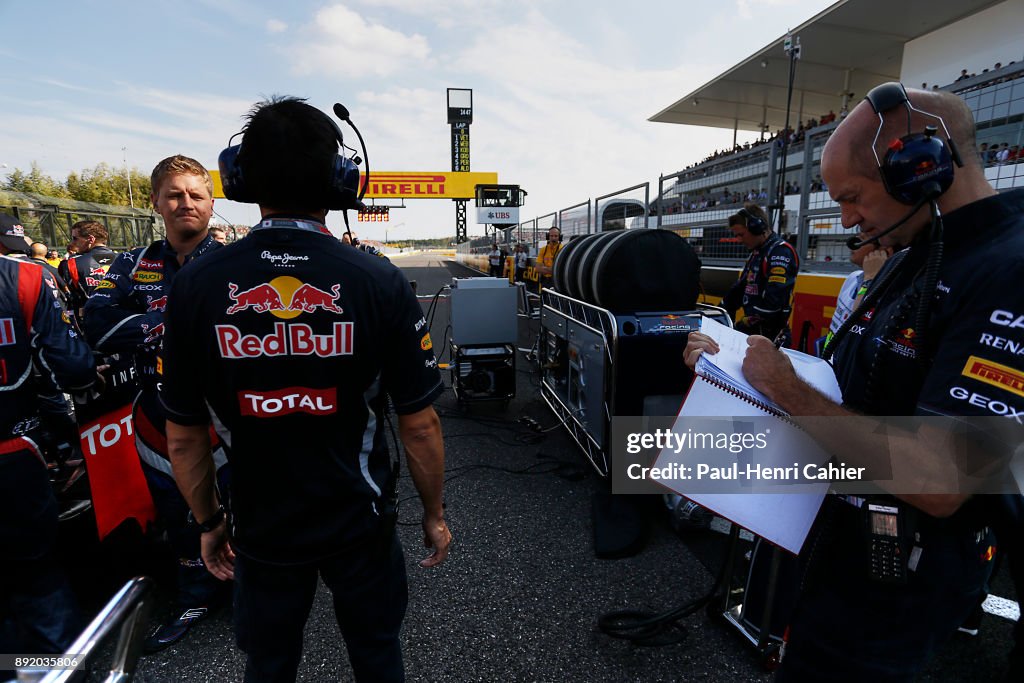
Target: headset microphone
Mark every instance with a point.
(342, 113)
(930, 193)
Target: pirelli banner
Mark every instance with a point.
(411, 184)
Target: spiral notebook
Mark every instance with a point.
(725, 369)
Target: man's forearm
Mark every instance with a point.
(864, 440)
(193, 466)
(424, 449)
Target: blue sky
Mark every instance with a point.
(562, 89)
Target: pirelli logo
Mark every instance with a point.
(1002, 376)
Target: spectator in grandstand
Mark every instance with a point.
(84, 271)
(764, 290)
(895, 360)
(1003, 155)
(219, 235)
(963, 76)
(125, 315)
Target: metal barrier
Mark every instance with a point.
(129, 609)
(575, 220)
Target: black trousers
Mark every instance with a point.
(272, 604)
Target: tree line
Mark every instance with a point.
(102, 184)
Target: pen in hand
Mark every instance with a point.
(780, 338)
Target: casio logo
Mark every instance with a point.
(1007, 319)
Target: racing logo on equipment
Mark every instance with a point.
(284, 297)
(996, 374)
(106, 284)
(275, 403)
(426, 344)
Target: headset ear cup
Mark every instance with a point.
(343, 188)
(919, 164)
(231, 180)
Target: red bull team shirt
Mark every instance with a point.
(289, 341)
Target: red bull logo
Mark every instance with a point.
(286, 340)
(284, 297)
(156, 304)
(153, 333)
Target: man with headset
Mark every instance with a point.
(291, 343)
(765, 287)
(546, 256)
(889, 578)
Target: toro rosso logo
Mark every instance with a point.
(284, 297)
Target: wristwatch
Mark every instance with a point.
(210, 524)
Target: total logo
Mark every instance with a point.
(287, 401)
(284, 297)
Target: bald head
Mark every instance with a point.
(850, 144)
(37, 250)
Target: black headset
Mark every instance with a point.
(555, 227)
(754, 223)
(343, 188)
(918, 166)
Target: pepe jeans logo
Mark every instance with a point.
(283, 260)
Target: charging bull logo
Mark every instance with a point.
(152, 333)
(158, 304)
(284, 297)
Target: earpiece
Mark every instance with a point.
(755, 224)
(918, 166)
(342, 187)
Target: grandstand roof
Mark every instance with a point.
(850, 47)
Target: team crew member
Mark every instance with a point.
(35, 330)
(37, 254)
(86, 270)
(126, 315)
(867, 614)
(291, 342)
(869, 258)
(765, 287)
(546, 256)
(494, 260)
(218, 234)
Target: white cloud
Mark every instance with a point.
(276, 26)
(342, 43)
